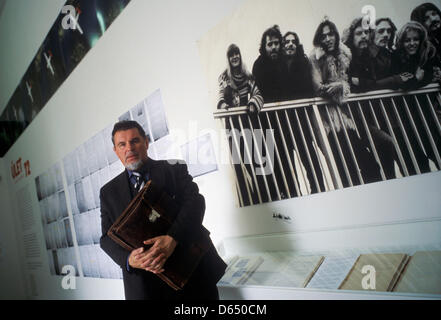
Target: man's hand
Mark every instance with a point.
(334, 87)
(162, 248)
(355, 81)
(153, 259)
(406, 76)
(136, 258)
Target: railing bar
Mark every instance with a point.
(429, 134)
(260, 159)
(296, 185)
(371, 142)
(279, 159)
(414, 128)
(353, 120)
(377, 124)
(269, 159)
(241, 161)
(316, 149)
(305, 145)
(335, 174)
(250, 157)
(348, 141)
(239, 192)
(307, 151)
(296, 148)
(338, 147)
(432, 111)
(378, 94)
(438, 97)
(406, 139)
(392, 134)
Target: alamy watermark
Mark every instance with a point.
(70, 20)
(249, 147)
(68, 282)
(369, 280)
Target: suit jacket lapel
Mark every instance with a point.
(123, 195)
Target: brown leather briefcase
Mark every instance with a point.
(151, 214)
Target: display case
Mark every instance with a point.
(391, 261)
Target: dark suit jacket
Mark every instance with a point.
(116, 195)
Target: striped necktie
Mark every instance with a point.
(139, 181)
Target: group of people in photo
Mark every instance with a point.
(366, 56)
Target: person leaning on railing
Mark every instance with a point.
(369, 70)
(236, 85)
(415, 62)
(414, 58)
(330, 60)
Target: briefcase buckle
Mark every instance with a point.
(153, 216)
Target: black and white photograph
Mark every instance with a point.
(327, 99)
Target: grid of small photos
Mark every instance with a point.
(55, 220)
(86, 169)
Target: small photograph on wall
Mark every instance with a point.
(315, 99)
(199, 156)
(156, 115)
(150, 114)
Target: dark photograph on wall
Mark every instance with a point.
(49, 65)
(329, 102)
(76, 30)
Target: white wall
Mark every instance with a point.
(11, 270)
(154, 44)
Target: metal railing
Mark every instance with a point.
(299, 147)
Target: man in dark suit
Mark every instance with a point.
(141, 265)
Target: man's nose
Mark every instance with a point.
(130, 146)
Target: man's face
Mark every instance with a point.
(328, 39)
(131, 148)
(432, 20)
(290, 45)
(383, 33)
(411, 42)
(361, 37)
(272, 47)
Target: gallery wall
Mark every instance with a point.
(150, 47)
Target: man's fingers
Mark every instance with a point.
(150, 241)
(154, 263)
